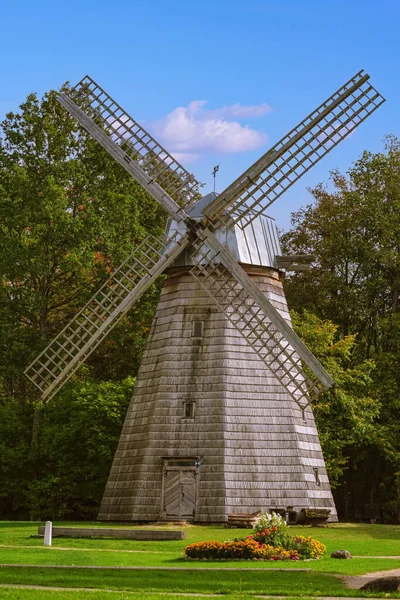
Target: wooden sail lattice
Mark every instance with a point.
(251, 322)
(127, 133)
(172, 186)
(64, 355)
(267, 179)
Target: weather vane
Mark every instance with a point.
(214, 173)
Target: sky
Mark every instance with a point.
(215, 81)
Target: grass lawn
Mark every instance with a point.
(16, 547)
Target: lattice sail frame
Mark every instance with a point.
(155, 160)
(251, 322)
(257, 188)
(72, 346)
(162, 177)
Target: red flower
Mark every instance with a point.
(275, 528)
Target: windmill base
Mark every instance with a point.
(210, 430)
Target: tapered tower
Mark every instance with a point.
(210, 430)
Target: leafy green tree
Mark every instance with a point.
(70, 214)
(354, 234)
(15, 440)
(348, 409)
(78, 435)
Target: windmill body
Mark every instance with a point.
(210, 430)
(220, 420)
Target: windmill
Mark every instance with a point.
(220, 420)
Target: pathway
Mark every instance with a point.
(356, 582)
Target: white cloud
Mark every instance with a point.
(191, 131)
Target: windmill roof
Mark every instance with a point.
(197, 211)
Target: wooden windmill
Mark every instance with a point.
(220, 420)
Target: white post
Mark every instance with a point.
(48, 533)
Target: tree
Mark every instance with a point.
(348, 409)
(70, 214)
(78, 436)
(354, 234)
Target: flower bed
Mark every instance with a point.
(270, 541)
(238, 549)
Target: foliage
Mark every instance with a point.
(353, 231)
(354, 235)
(15, 441)
(69, 215)
(65, 474)
(349, 408)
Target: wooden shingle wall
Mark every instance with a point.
(255, 450)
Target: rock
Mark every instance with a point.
(341, 554)
(383, 584)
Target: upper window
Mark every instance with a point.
(197, 328)
(188, 410)
(181, 462)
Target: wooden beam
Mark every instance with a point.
(131, 166)
(225, 199)
(251, 288)
(112, 320)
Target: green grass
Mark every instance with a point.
(251, 582)
(16, 547)
(362, 540)
(25, 594)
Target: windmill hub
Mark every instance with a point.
(257, 244)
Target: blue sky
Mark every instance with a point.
(258, 66)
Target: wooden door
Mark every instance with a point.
(179, 493)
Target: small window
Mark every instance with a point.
(316, 475)
(197, 328)
(188, 410)
(181, 462)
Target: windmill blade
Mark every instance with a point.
(265, 339)
(268, 178)
(256, 319)
(64, 355)
(125, 160)
(127, 133)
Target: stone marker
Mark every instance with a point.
(48, 533)
(341, 554)
(383, 584)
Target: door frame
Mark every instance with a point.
(191, 466)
